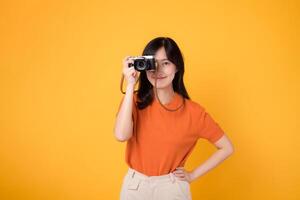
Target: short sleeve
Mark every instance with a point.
(134, 107)
(208, 128)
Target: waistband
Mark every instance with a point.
(134, 173)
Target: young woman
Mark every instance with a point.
(159, 141)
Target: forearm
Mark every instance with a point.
(124, 124)
(216, 158)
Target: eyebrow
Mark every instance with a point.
(163, 59)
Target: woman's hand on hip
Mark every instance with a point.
(183, 175)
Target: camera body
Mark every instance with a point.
(142, 63)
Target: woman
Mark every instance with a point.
(159, 141)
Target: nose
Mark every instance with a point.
(158, 71)
(158, 67)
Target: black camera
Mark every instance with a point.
(142, 63)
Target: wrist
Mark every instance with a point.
(193, 176)
(130, 86)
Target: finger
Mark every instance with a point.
(126, 58)
(178, 170)
(132, 73)
(180, 178)
(179, 167)
(130, 69)
(130, 61)
(180, 175)
(129, 73)
(177, 173)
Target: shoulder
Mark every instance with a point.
(194, 105)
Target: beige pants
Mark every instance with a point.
(138, 186)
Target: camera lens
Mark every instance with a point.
(141, 65)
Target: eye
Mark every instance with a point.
(166, 63)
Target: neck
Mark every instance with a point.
(165, 95)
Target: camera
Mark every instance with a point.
(142, 63)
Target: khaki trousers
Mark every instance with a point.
(138, 186)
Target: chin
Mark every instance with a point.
(160, 86)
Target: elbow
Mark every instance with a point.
(227, 150)
(121, 140)
(121, 134)
(121, 137)
(230, 150)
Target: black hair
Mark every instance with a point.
(145, 92)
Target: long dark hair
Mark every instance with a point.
(145, 92)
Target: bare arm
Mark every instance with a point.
(124, 125)
(225, 149)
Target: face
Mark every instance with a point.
(165, 70)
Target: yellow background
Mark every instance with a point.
(60, 74)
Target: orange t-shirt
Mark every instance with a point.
(163, 140)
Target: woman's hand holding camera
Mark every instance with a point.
(129, 72)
